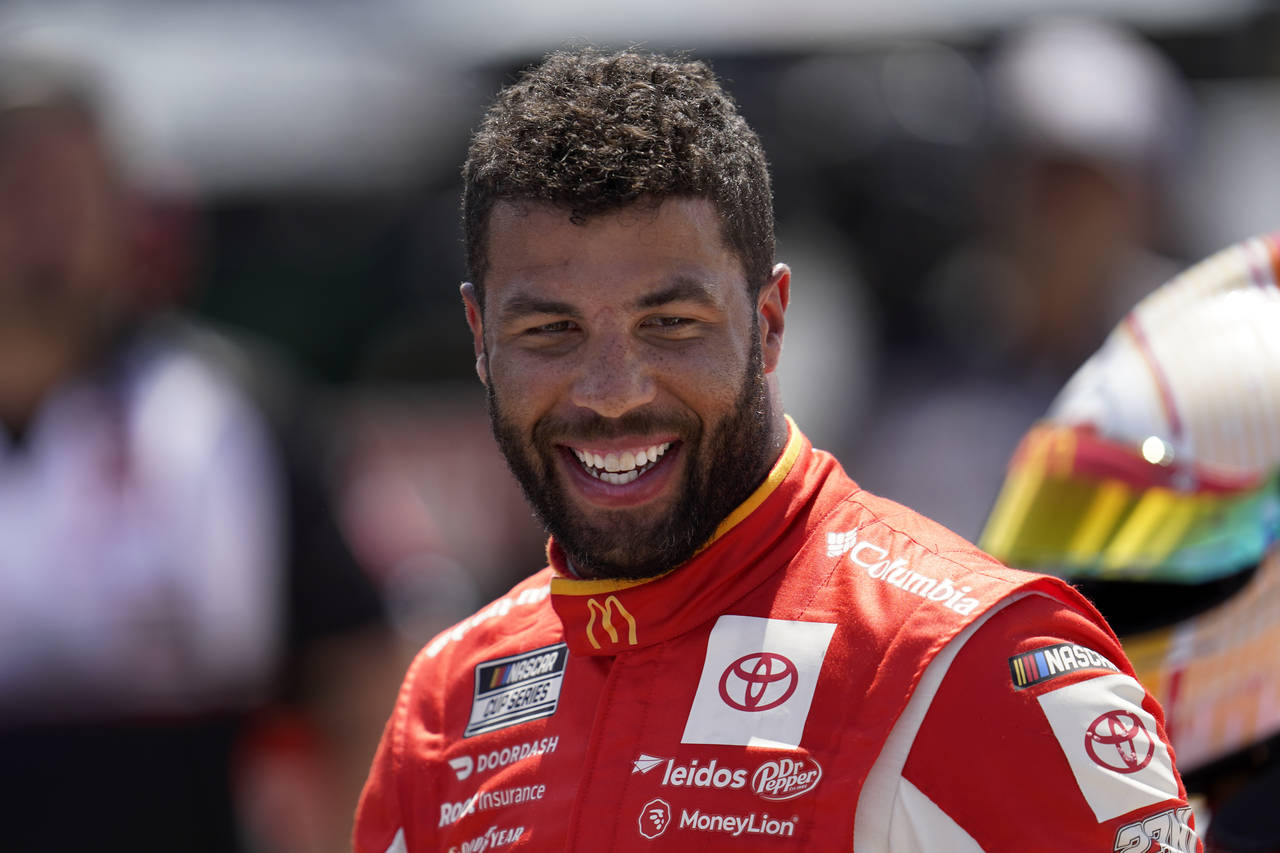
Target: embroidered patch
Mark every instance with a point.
(517, 689)
(1111, 743)
(1042, 664)
(757, 682)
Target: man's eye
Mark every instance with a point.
(669, 322)
(551, 328)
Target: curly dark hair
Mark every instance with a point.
(592, 132)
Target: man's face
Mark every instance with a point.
(625, 362)
(60, 233)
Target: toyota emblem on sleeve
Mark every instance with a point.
(758, 682)
(1119, 741)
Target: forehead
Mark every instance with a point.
(536, 246)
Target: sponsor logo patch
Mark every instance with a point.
(1111, 744)
(464, 765)
(492, 839)
(655, 817)
(878, 565)
(645, 763)
(757, 682)
(777, 779)
(1040, 665)
(1169, 832)
(516, 689)
(756, 823)
(786, 778)
(610, 622)
(451, 813)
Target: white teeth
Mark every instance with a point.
(624, 467)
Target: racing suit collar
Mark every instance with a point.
(606, 617)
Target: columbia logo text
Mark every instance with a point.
(898, 572)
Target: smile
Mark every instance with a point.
(620, 468)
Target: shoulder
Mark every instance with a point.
(913, 564)
(1039, 684)
(503, 626)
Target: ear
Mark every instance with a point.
(771, 309)
(476, 321)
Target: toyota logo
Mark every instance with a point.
(758, 682)
(1119, 741)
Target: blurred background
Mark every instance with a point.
(970, 196)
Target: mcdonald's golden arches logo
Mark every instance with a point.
(612, 607)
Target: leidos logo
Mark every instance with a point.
(606, 613)
(708, 776)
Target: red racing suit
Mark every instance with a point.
(832, 672)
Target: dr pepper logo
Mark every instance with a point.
(786, 778)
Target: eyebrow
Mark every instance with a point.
(523, 305)
(682, 289)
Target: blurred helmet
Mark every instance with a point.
(1152, 483)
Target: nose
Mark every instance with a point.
(613, 377)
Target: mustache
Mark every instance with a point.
(591, 426)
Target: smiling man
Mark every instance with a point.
(733, 646)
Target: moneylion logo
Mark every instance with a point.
(606, 613)
(655, 817)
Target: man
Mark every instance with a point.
(1151, 483)
(168, 586)
(733, 646)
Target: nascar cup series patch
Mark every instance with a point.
(517, 688)
(1111, 743)
(757, 682)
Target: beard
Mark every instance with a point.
(724, 463)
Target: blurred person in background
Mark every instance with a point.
(190, 659)
(1153, 483)
(1087, 123)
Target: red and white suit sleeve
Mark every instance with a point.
(1076, 758)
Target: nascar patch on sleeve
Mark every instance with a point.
(1111, 743)
(1040, 665)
